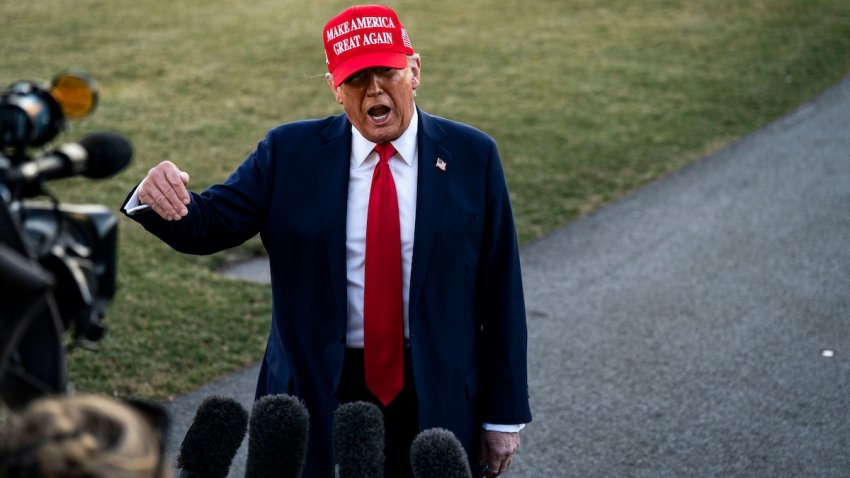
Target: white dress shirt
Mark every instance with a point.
(405, 172)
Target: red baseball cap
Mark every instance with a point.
(365, 36)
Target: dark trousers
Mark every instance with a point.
(401, 416)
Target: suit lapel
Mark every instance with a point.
(430, 193)
(332, 170)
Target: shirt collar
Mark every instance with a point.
(405, 145)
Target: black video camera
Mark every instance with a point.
(57, 262)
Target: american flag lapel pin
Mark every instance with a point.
(441, 164)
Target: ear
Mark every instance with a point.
(415, 69)
(334, 89)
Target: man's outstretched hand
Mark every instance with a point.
(164, 190)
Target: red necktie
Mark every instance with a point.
(383, 349)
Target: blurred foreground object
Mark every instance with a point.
(86, 436)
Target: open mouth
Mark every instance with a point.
(379, 114)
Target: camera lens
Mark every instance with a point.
(29, 116)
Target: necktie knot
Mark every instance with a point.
(385, 151)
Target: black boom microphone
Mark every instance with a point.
(358, 441)
(97, 156)
(213, 438)
(437, 453)
(277, 438)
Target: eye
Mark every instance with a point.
(355, 79)
(386, 73)
(362, 77)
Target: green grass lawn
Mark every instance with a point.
(588, 101)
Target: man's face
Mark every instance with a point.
(379, 101)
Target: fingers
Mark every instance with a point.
(497, 451)
(164, 190)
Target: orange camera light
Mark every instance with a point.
(75, 92)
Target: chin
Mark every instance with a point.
(382, 135)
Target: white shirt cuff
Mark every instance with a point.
(134, 205)
(503, 428)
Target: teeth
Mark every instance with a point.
(379, 117)
(379, 113)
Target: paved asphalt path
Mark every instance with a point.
(699, 327)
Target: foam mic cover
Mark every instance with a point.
(213, 438)
(107, 154)
(358, 441)
(277, 440)
(437, 453)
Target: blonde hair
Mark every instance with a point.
(85, 436)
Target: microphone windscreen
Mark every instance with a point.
(277, 438)
(358, 441)
(437, 453)
(213, 437)
(107, 154)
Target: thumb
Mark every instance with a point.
(184, 176)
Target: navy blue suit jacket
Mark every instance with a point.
(467, 314)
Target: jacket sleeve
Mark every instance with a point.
(224, 215)
(501, 308)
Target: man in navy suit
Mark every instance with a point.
(394, 259)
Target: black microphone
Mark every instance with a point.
(437, 453)
(97, 155)
(358, 441)
(213, 438)
(277, 440)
